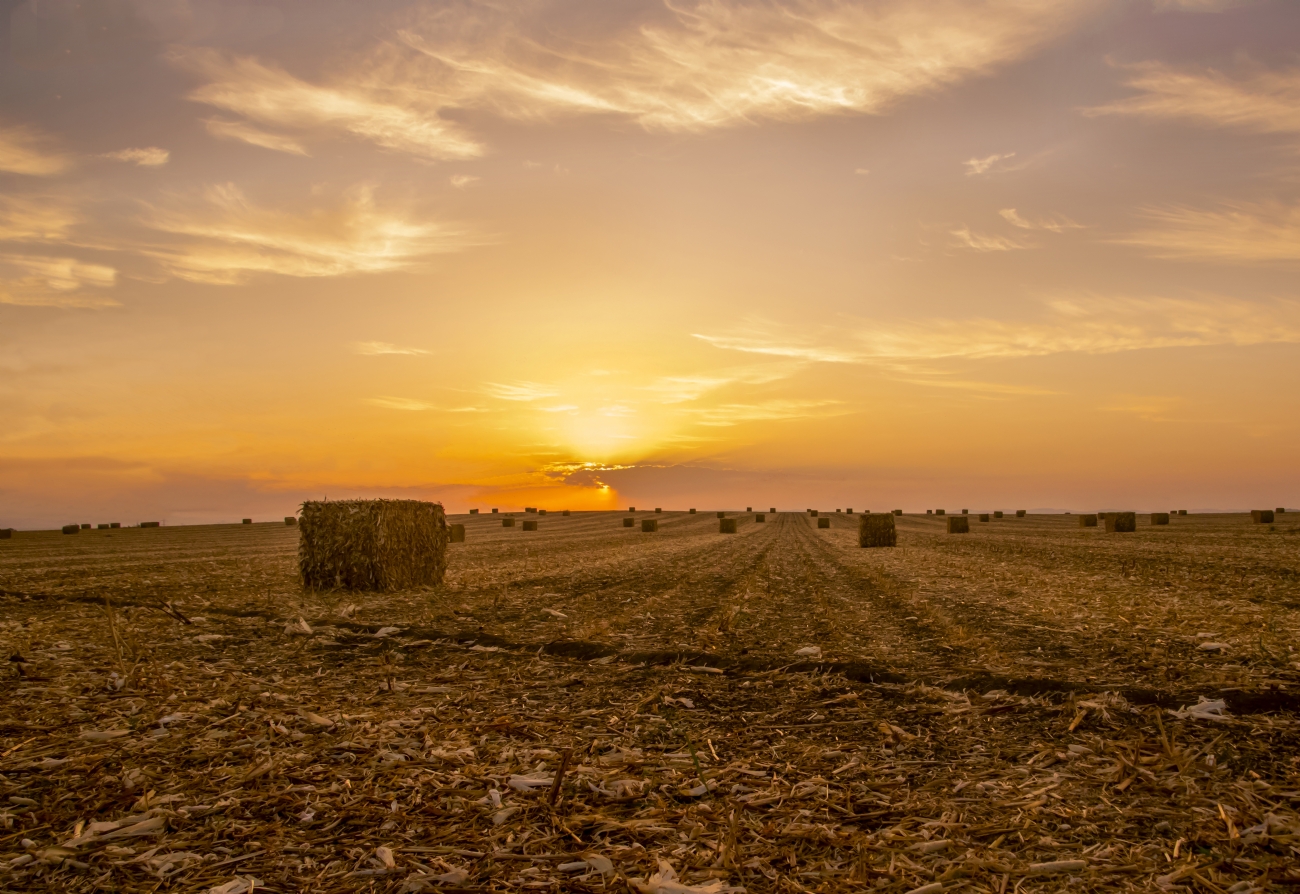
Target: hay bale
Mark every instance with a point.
(530, 524)
(456, 533)
(565, 513)
(1262, 516)
(812, 512)
(541, 511)
(629, 522)
(1020, 513)
(898, 512)
(1160, 518)
(1182, 511)
(877, 530)
(112, 525)
(965, 512)
(290, 521)
(1280, 510)
(657, 509)
(722, 515)
(85, 526)
(631, 509)
(1121, 522)
(71, 529)
(102, 526)
(150, 524)
(726, 525)
(1088, 520)
(530, 509)
(772, 510)
(749, 508)
(984, 516)
(649, 525)
(958, 524)
(6, 533)
(997, 514)
(941, 512)
(692, 512)
(760, 517)
(380, 545)
(494, 512)
(507, 522)
(248, 521)
(849, 510)
(473, 512)
(824, 522)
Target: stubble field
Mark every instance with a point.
(1030, 707)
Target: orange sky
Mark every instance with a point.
(907, 253)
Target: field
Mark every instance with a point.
(1030, 707)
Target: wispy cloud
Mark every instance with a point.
(147, 157)
(35, 219)
(246, 133)
(984, 243)
(728, 414)
(379, 348)
(408, 405)
(460, 181)
(1200, 5)
(760, 344)
(273, 97)
(989, 164)
(37, 280)
(1235, 232)
(1260, 101)
(1056, 223)
(520, 391)
(225, 237)
(25, 150)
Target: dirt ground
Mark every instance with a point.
(1030, 707)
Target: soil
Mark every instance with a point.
(1033, 706)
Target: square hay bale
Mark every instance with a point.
(1121, 522)
(940, 512)
(71, 529)
(102, 526)
(772, 510)
(541, 511)
(6, 533)
(494, 512)
(876, 530)
(749, 508)
(114, 525)
(824, 522)
(530, 524)
(507, 522)
(1182, 511)
(1160, 518)
(658, 509)
(629, 522)
(929, 512)
(722, 515)
(760, 517)
(997, 514)
(812, 512)
(565, 513)
(473, 512)
(958, 524)
(1088, 520)
(456, 533)
(965, 512)
(290, 521)
(692, 512)
(85, 526)
(898, 512)
(1280, 510)
(1262, 516)
(649, 525)
(150, 524)
(248, 521)
(984, 516)
(837, 512)
(530, 509)
(1020, 513)
(631, 509)
(726, 526)
(379, 545)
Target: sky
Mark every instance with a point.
(985, 254)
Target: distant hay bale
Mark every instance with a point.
(997, 514)
(929, 512)
(507, 522)
(649, 525)
(1262, 516)
(692, 511)
(876, 530)
(658, 509)
(824, 522)
(984, 516)
(6, 533)
(1182, 511)
(112, 525)
(530, 509)
(541, 511)
(1121, 522)
(1160, 518)
(1088, 520)
(722, 515)
(941, 512)
(837, 512)
(631, 509)
(898, 512)
(749, 508)
(150, 524)
(248, 521)
(290, 521)
(958, 524)
(965, 512)
(456, 533)
(629, 522)
(565, 513)
(473, 512)
(530, 524)
(71, 529)
(1020, 513)
(727, 526)
(378, 545)
(85, 526)
(760, 517)
(812, 512)
(1280, 510)
(494, 512)
(772, 510)
(102, 526)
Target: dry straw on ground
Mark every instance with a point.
(378, 545)
(876, 530)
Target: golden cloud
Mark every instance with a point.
(1239, 232)
(239, 130)
(24, 150)
(1264, 102)
(224, 237)
(36, 280)
(35, 219)
(148, 157)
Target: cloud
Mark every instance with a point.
(35, 280)
(379, 348)
(1056, 224)
(760, 344)
(1200, 5)
(35, 219)
(225, 238)
(1262, 102)
(24, 150)
(238, 130)
(1237, 232)
(966, 239)
(148, 157)
(272, 96)
(460, 181)
(723, 415)
(520, 391)
(989, 164)
(413, 406)
(720, 63)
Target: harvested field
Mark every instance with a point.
(1031, 707)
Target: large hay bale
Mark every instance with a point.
(507, 522)
(722, 515)
(749, 508)
(984, 516)
(473, 512)
(112, 525)
(824, 522)
(541, 511)
(692, 511)
(494, 512)
(1160, 518)
(1182, 511)
(772, 510)
(876, 530)
(958, 524)
(1262, 516)
(1088, 520)
(649, 525)
(1020, 513)
(760, 517)
(6, 533)
(812, 512)
(1280, 510)
(150, 524)
(456, 533)
(726, 526)
(965, 512)
(997, 514)
(248, 521)
(530, 524)
(929, 512)
(941, 512)
(658, 509)
(565, 513)
(1121, 522)
(898, 512)
(378, 545)
(290, 521)
(631, 509)
(530, 509)
(71, 529)
(849, 510)
(102, 526)
(629, 522)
